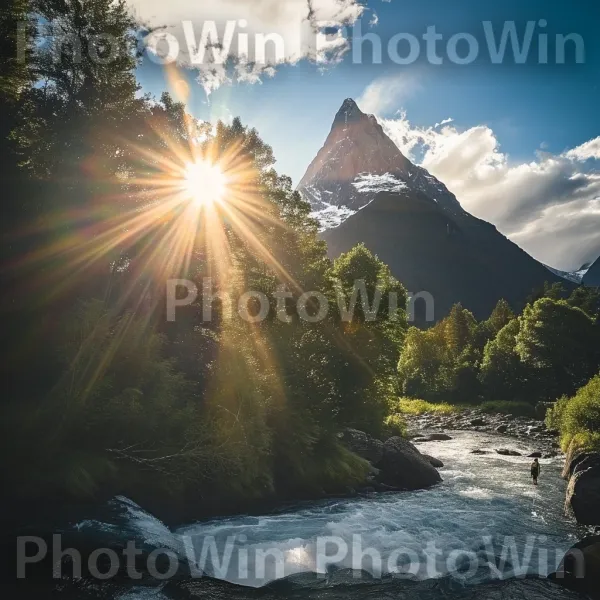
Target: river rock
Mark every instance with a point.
(507, 452)
(404, 466)
(479, 452)
(435, 462)
(501, 428)
(478, 422)
(535, 455)
(435, 437)
(364, 445)
(579, 570)
(583, 491)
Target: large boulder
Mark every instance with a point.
(364, 445)
(583, 491)
(574, 455)
(404, 466)
(579, 570)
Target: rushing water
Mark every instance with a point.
(485, 522)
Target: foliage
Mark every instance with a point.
(551, 349)
(578, 418)
(107, 396)
(559, 344)
(414, 406)
(441, 363)
(502, 372)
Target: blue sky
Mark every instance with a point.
(513, 110)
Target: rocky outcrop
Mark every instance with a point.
(579, 570)
(583, 492)
(404, 466)
(364, 445)
(396, 464)
(573, 457)
(582, 471)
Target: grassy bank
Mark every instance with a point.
(415, 407)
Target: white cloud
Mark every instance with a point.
(443, 122)
(550, 205)
(295, 24)
(386, 93)
(590, 149)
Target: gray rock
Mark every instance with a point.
(435, 462)
(477, 422)
(507, 452)
(436, 437)
(583, 491)
(501, 428)
(480, 452)
(535, 455)
(364, 445)
(579, 570)
(574, 456)
(404, 466)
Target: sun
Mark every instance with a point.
(205, 182)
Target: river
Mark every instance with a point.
(485, 527)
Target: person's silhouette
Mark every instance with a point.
(535, 470)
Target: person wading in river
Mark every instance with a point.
(535, 470)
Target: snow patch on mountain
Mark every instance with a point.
(369, 183)
(573, 276)
(332, 216)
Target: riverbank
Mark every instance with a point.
(448, 536)
(531, 430)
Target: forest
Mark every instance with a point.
(105, 396)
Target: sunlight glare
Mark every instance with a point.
(205, 182)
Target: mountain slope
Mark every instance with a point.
(592, 277)
(572, 276)
(412, 221)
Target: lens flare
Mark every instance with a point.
(205, 182)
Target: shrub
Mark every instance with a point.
(393, 425)
(578, 418)
(413, 406)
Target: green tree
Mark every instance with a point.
(502, 374)
(559, 343)
(459, 329)
(587, 299)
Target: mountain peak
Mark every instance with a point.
(348, 112)
(357, 161)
